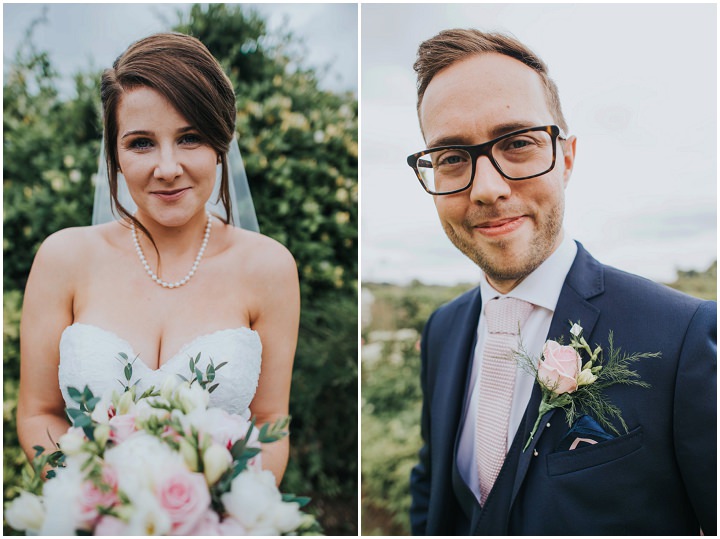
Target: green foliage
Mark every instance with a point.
(50, 149)
(391, 400)
(701, 284)
(299, 144)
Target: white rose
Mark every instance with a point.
(25, 513)
(252, 498)
(139, 459)
(72, 441)
(216, 459)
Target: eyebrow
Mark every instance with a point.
(144, 132)
(495, 132)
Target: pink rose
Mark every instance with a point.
(560, 368)
(184, 496)
(110, 526)
(121, 427)
(91, 497)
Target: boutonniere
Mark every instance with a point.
(575, 384)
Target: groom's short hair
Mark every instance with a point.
(451, 46)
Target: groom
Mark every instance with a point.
(498, 162)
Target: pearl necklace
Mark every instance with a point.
(192, 271)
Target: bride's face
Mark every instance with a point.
(168, 167)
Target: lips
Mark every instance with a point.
(499, 227)
(171, 194)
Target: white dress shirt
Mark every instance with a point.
(541, 288)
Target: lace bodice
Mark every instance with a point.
(88, 356)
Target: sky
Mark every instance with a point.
(638, 85)
(80, 36)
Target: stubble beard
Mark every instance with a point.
(499, 268)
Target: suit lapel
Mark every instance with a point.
(583, 282)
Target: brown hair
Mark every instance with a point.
(183, 71)
(451, 46)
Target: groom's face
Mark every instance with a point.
(506, 227)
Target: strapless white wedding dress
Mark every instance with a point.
(89, 356)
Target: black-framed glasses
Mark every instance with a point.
(519, 155)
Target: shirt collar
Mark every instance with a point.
(542, 287)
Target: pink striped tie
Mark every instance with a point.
(504, 317)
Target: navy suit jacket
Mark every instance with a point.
(658, 478)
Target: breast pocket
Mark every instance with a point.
(565, 462)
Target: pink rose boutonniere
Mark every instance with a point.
(566, 382)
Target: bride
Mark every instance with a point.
(170, 281)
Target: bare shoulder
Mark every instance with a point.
(73, 246)
(261, 257)
(66, 257)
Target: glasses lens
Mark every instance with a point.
(444, 171)
(523, 155)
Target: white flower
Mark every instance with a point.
(287, 516)
(102, 434)
(60, 495)
(216, 459)
(252, 499)
(169, 386)
(586, 377)
(72, 441)
(189, 454)
(576, 330)
(25, 513)
(126, 403)
(192, 397)
(139, 460)
(223, 427)
(100, 412)
(147, 516)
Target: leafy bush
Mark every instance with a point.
(299, 144)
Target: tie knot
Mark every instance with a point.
(506, 315)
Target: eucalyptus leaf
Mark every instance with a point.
(213, 388)
(75, 394)
(82, 421)
(128, 371)
(123, 355)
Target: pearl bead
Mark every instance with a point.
(196, 263)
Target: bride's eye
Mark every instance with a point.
(140, 144)
(190, 138)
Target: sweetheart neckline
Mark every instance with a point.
(183, 348)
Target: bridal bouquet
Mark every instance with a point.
(159, 463)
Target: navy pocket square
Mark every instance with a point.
(585, 431)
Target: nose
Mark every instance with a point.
(488, 184)
(168, 167)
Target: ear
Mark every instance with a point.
(568, 151)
